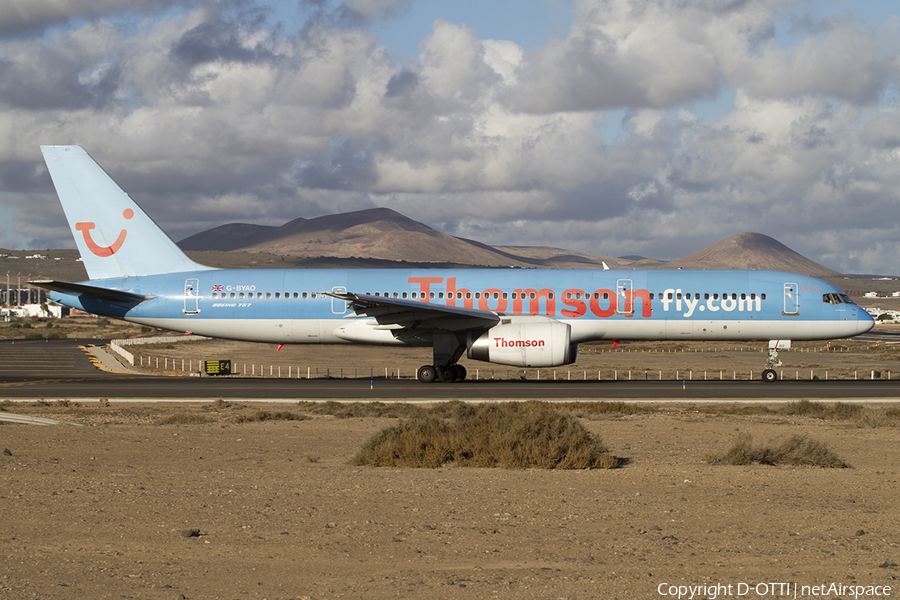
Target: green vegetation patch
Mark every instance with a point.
(489, 435)
(794, 450)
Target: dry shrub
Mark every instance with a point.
(489, 435)
(829, 411)
(184, 419)
(880, 417)
(839, 411)
(217, 405)
(347, 410)
(606, 408)
(421, 442)
(265, 415)
(735, 409)
(794, 450)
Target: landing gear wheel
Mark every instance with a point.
(769, 375)
(447, 373)
(460, 372)
(426, 374)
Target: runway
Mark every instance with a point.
(63, 369)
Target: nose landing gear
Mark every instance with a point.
(769, 374)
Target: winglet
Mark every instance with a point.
(114, 236)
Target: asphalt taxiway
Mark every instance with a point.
(65, 369)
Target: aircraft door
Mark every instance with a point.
(191, 296)
(338, 306)
(624, 297)
(791, 299)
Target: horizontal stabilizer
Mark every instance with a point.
(105, 294)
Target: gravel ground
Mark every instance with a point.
(106, 510)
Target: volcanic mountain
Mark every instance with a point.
(377, 233)
(753, 251)
(382, 234)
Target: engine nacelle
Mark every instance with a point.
(525, 342)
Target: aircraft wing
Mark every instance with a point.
(105, 294)
(396, 313)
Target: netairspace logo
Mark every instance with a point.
(713, 591)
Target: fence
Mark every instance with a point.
(183, 365)
(116, 345)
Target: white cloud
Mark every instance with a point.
(847, 63)
(619, 53)
(210, 116)
(365, 11)
(19, 15)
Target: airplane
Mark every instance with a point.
(516, 317)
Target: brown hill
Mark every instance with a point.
(752, 251)
(381, 237)
(375, 233)
(558, 258)
(379, 234)
(232, 236)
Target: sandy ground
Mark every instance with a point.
(98, 511)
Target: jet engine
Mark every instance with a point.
(525, 342)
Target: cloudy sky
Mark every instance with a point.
(614, 127)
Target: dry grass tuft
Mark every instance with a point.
(605, 408)
(861, 416)
(348, 410)
(217, 405)
(836, 411)
(184, 419)
(880, 417)
(794, 450)
(265, 415)
(490, 435)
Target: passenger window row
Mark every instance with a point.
(828, 298)
(707, 296)
(261, 295)
(672, 296)
(468, 295)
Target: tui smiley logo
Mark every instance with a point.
(103, 251)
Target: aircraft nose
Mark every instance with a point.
(864, 322)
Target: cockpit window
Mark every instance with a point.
(836, 299)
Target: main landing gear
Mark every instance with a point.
(442, 373)
(447, 348)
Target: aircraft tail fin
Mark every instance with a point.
(114, 236)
